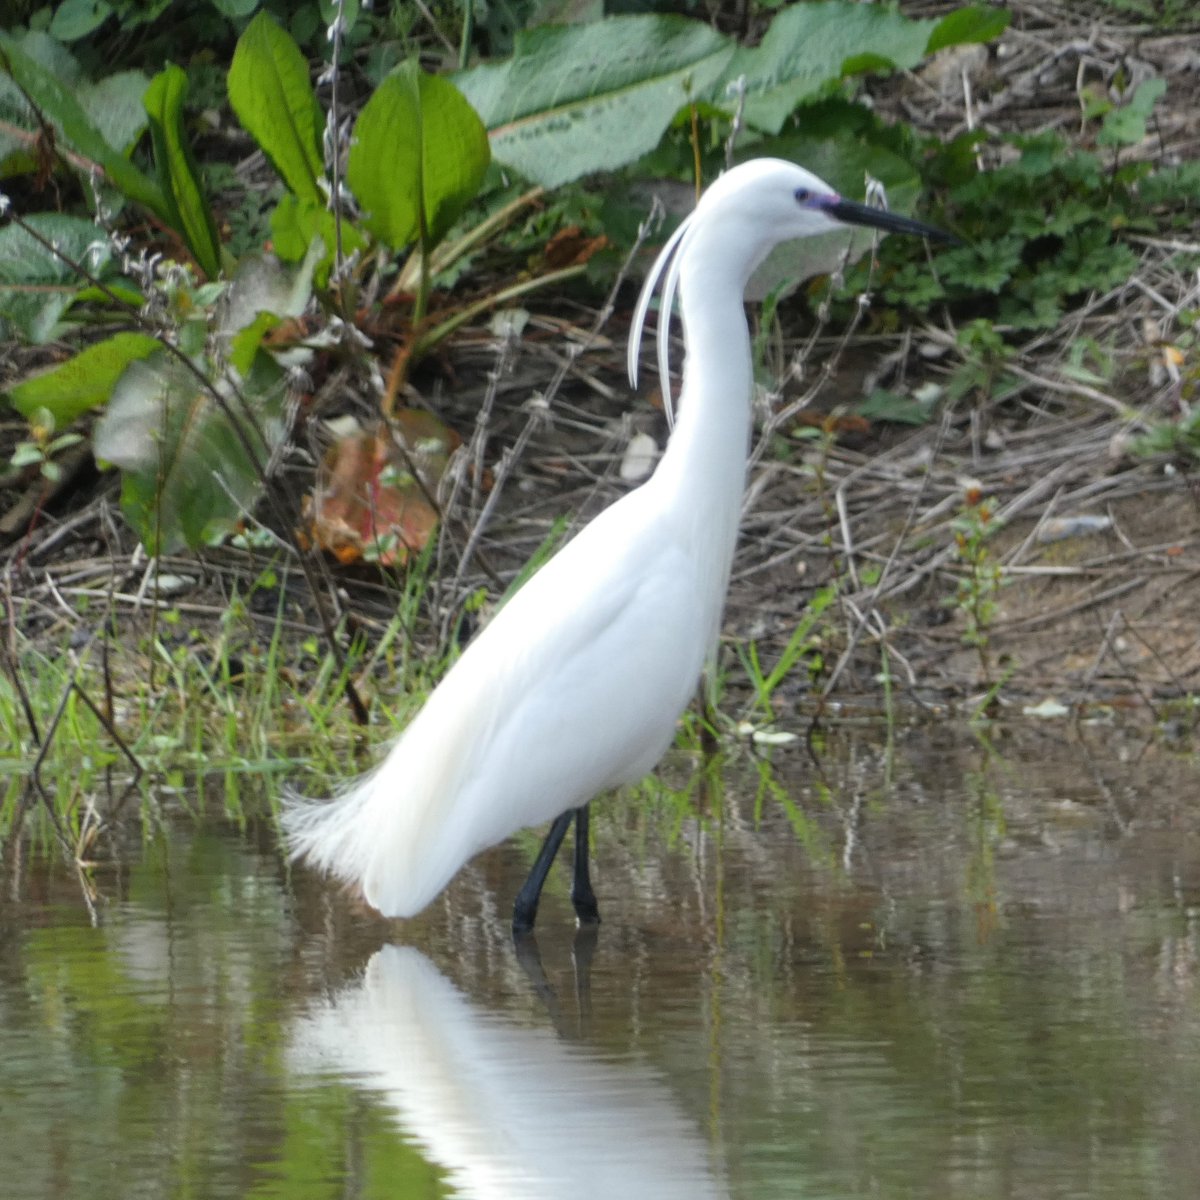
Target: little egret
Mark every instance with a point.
(576, 684)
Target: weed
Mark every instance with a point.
(1176, 363)
(981, 576)
(980, 376)
(43, 445)
(805, 647)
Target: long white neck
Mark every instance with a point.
(704, 466)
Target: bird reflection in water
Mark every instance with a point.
(509, 1110)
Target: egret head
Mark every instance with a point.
(766, 201)
(740, 219)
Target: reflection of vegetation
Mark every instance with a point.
(987, 830)
(159, 1037)
(808, 830)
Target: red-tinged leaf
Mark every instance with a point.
(369, 505)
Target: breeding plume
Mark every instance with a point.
(576, 684)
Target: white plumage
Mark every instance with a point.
(576, 685)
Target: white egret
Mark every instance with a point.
(576, 684)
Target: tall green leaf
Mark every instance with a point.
(418, 157)
(270, 91)
(178, 175)
(62, 106)
(583, 98)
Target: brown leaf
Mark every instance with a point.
(373, 496)
(571, 247)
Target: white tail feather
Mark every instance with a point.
(388, 832)
(328, 833)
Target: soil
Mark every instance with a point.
(1099, 547)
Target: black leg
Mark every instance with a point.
(586, 910)
(526, 905)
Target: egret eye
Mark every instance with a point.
(803, 195)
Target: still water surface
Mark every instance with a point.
(953, 970)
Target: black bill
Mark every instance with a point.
(853, 213)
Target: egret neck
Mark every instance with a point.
(703, 469)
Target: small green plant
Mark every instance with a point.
(981, 376)
(975, 595)
(1179, 361)
(805, 647)
(43, 445)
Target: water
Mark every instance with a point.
(961, 970)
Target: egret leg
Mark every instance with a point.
(526, 905)
(582, 897)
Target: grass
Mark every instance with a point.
(181, 699)
(803, 650)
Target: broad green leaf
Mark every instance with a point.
(294, 224)
(63, 106)
(1126, 126)
(383, 167)
(261, 296)
(418, 157)
(36, 287)
(809, 48)
(115, 104)
(178, 174)
(83, 382)
(74, 19)
(976, 23)
(188, 475)
(244, 344)
(578, 99)
(270, 91)
(454, 154)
